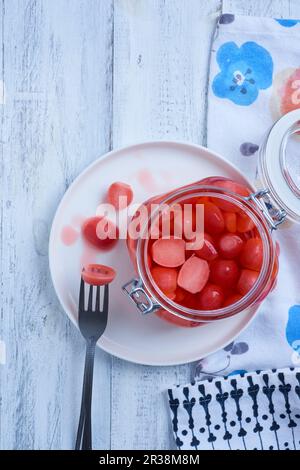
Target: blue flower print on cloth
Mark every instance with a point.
(293, 328)
(244, 71)
(287, 23)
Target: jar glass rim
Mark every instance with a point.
(273, 169)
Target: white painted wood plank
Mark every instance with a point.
(271, 8)
(161, 53)
(160, 68)
(58, 78)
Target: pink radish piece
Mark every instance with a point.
(165, 278)
(208, 250)
(193, 275)
(169, 252)
(246, 281)
(120, 195)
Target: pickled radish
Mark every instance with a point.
(225, 183)
(230, 246)
(244, 223)
(191, 301)
(120, 195)
(164, 224)
(208, 250)
(213, 219)
(100, 232)
(232, 299)
(184, 220)
(211, 297)
(229, 185)
(189, 223)
(193, 275)
(224, 272)
(180, 294)
(252, 254)
(98, 274)
(246, 281)
(169, 253)
(165, 278)
(230, 220)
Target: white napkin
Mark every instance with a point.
(254, 79)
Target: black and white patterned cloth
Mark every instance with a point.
(254, 411)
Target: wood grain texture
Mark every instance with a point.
(161, 53)
(56, 66)
(269, 8)
(80, 77)
(160, 79)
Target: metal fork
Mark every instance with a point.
(92, 323)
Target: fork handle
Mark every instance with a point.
(87, 432)
(86, 397)
(82, 410)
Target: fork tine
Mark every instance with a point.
(81, 296)
(90, 303)
(98, 292)
(105, 301)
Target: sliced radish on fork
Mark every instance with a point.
(98, 274)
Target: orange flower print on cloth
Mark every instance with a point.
(291, 93)
(286, 92)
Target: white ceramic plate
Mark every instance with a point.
(150, 168)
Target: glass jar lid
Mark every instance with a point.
(280, 164)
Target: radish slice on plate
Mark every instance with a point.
(98, 274)
(120, 195)
(169, 252)
(100, 232)
(193, 275)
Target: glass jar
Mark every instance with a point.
(266, 209)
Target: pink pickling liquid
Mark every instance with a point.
(69, 235)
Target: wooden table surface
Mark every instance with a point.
(80, 77)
